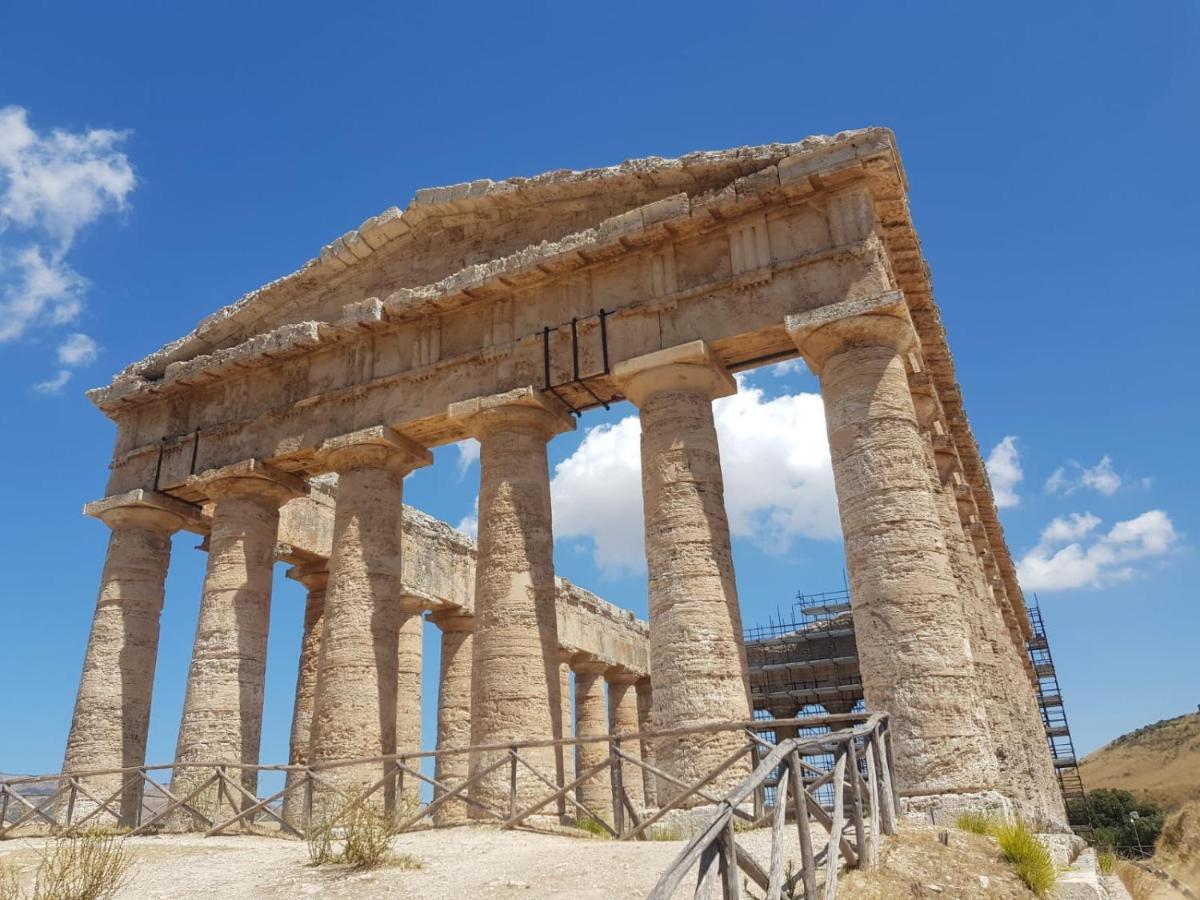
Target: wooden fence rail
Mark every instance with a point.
(219, 803)
(861, 772)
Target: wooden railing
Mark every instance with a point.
(861, 773)
(219, 802)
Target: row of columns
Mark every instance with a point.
(921, 608)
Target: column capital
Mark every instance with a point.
(523, 409)
(691, 367)
(249, 478)
(585, 664)
(615, 675)
(145, 509)
(314, 576)
(378, 447)
(453, 619)
(827, 330)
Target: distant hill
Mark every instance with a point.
(1160, 762)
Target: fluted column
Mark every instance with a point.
(591, 720)
(697, 659)
(567, 727)
(913, 641)
(409, 651)
(623, 715)
(222, 709)
(355, 711)
(112, 708)
(645, 708)
(314, 577)
(515, 684)
(454, 710)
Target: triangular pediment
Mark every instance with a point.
(445, 230)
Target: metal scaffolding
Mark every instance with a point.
(1054, 718)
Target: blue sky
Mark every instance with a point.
(158, 162)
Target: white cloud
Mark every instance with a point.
(1101, 477)
(59, 182)
(1004, 471)
(468, 454)
(77, 350)
(775, 463)
(1105, 559)
(55, 384)
(52, 185)
(1071, 528)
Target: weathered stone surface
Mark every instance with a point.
(514, 669)
(315, 579)
(913, 641)
(430, 321)
(222, 708)
(645, 709)
(697, 660)
(454, 710)
(355, 709)
(591, 720)
(623, 714)
(112, 709)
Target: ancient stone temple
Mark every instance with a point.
(284, 425)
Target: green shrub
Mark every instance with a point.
(1107, 860)
(1109, 810)
(592, 827)
(977, 823)
(1028, 856)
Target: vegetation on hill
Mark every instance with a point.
(1158, 762)
(1121, 822)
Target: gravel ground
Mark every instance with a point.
(455, 863)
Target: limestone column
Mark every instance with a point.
(222, 708)
(314, 577)
(454, 709)
(112, 709)
(515, 682)
(645, 705)
(697, 659)
(355, 711)
(567, 725)
(913, 642)
(591, 720)
(409, 651)
(623, 714)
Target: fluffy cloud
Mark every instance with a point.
(1067, 480)
(1071, 554)
(51, 186)
(468, 454)
(775, 462)
(1004, 471)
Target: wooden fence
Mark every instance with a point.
(861, 774)
(219, 803)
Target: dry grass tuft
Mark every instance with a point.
(1020, 847)
(1107, 861)
(87, 865)
(592, 827)
(1029, 857)
(359, 836)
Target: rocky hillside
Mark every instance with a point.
(1160, 762)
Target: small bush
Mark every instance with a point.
(1029, 857)
(1107, 860)
(664, 833)
(977, 823)
(87, 865)
(360, 837)
(592, 827)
